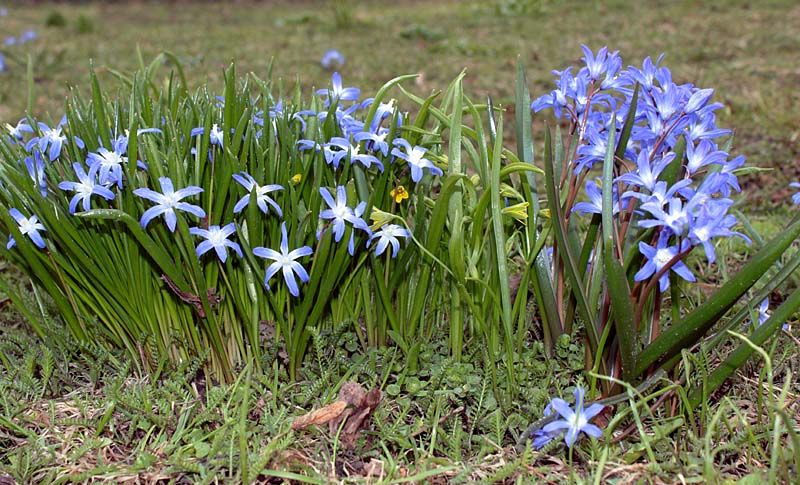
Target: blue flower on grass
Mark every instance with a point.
(338, 93)
(285, 261)
(763, 314)
(85, 188)
(354, 151)
(215, 135)
(262, 199)
(216, 238)
(108, 164)
(29, 226)
(416, 159)
(332, 58)
(168, 201)
(658, 257)
(52, 140)
(28, 36)
(340, 213)
(795, 197)
(575, 421)
(21, 127)
(388, 235)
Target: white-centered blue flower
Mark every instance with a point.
(216, 238)
(168, 201)
(28, 226)
(285, 261)
(52, 140)
(575, 421)
(85, 188)
(339, 213)
(262, 199)
(215, 134)
(389, 234)
(416, 159)
(338, 93)
(108, 165)
(354, 151)
(17, 130)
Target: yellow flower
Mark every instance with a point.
(399, 193)
(296, 178)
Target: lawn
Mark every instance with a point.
(75, 412)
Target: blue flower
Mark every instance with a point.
(168, 201)
(698, 100)
(331, 59)
(215, 135)
(108, 164)
(35, 166)
(705, 153)
(763, 314)
(51, 139)
(415, 158)
(602, 62)
(354, 151)
(27, 36)
(795, 197)
(340, 213)
(712, 221)
(29, 226)
(388, 235)
(338, 93)
(647, 171)
(595, 204)
(285, 261)
(216, 238)
(358, 212)
(85, 188)
(21, 127)
(575, 421)
(375, 142)
(262, 199)
(2, 62)
(658, 257)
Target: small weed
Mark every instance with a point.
(55, 19)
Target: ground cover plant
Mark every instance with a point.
(400, 242)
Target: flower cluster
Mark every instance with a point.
(682, 195)
(103, 175)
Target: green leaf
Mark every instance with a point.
(616, 279)
(688, 331)
(564, 247)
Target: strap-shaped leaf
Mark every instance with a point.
(617, 281)
(564, 247)
(161, 258)
(689, 330)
